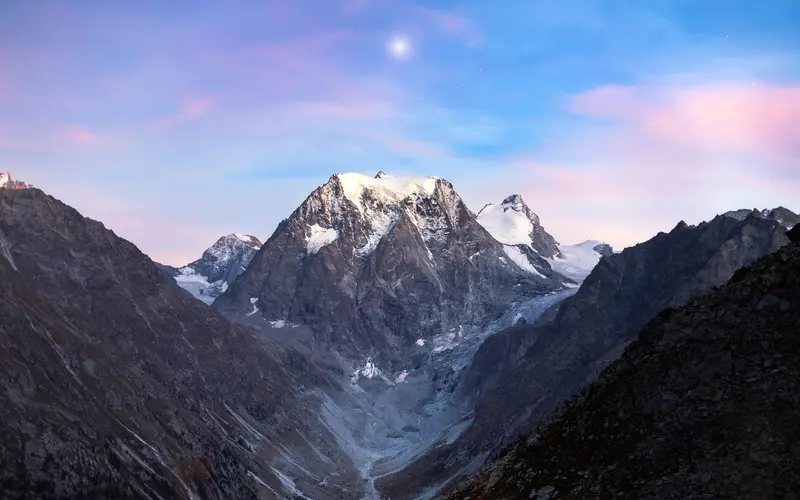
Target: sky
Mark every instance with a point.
(174, 123)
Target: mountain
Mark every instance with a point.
(526, 242)
(703, 405)
(379, 265)
(6, 182)
(577, 261)
(514, 224)
(118, 385)
(219, 266)
(783, 215)
(520, 375)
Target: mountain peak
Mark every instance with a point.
(516, 203)
(513, 223)
(6, 182)
(381, 174)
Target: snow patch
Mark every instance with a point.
(319, 237)
(197, 284)
(369, 371)
(578, 260)
(421, 342)
(520, 259)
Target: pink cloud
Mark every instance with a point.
(761, 119)
(190, 109)
(80, 135)
(451, 24)
(346, 109)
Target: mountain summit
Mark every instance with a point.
(211, 274)
(376, 264)
(6, 182)
(513, 223)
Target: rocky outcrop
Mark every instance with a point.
(6, 182)
(519, 376)
(703, 405)
(219, 266)
(375, 265)
(116, 385)
(783, 215)
(513, 223)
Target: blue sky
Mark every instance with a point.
(174, 124)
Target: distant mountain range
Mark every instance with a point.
(386, 342)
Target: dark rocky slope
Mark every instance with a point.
(704, 405)
(116, 385)
(519, 376)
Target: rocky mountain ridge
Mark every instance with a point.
(7, 182)
(783, 215)
(703, 405)
(520, 375)
(377, 264)
(219, 266)
(118, 385)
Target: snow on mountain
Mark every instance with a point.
(210, 276)
(577, 261)
(361, 253)
(513, 223)
(525, 241)
(7, 182)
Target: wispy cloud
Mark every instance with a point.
(451, 24)
(761, 119)
(190, 109)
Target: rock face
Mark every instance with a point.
(376, 264)
(117, 385)
(519, 376)
(209, 276)
(513, 223)
(783, 215)
(703, 405)
(6, 182)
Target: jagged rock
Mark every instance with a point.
(513, 223)
(219, 266)
(6, 182)
(375, 264)
(703, 405)
(783, 215)
(520, 375)
(117, 385)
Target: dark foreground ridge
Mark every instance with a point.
(703, 405)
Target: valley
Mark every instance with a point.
(385, 342)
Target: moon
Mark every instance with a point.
(399, 47)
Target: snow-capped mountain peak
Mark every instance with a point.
(513, 223)
(385, 187)
(7, 182)
(221, 263)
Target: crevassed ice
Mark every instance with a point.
(319, 238)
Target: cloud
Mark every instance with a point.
(81, 136)
(451, 24)
(190, 109)
(760, 119)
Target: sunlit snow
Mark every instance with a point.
(578, 261)
(520, 259)
(508, 227)
(319, 238)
